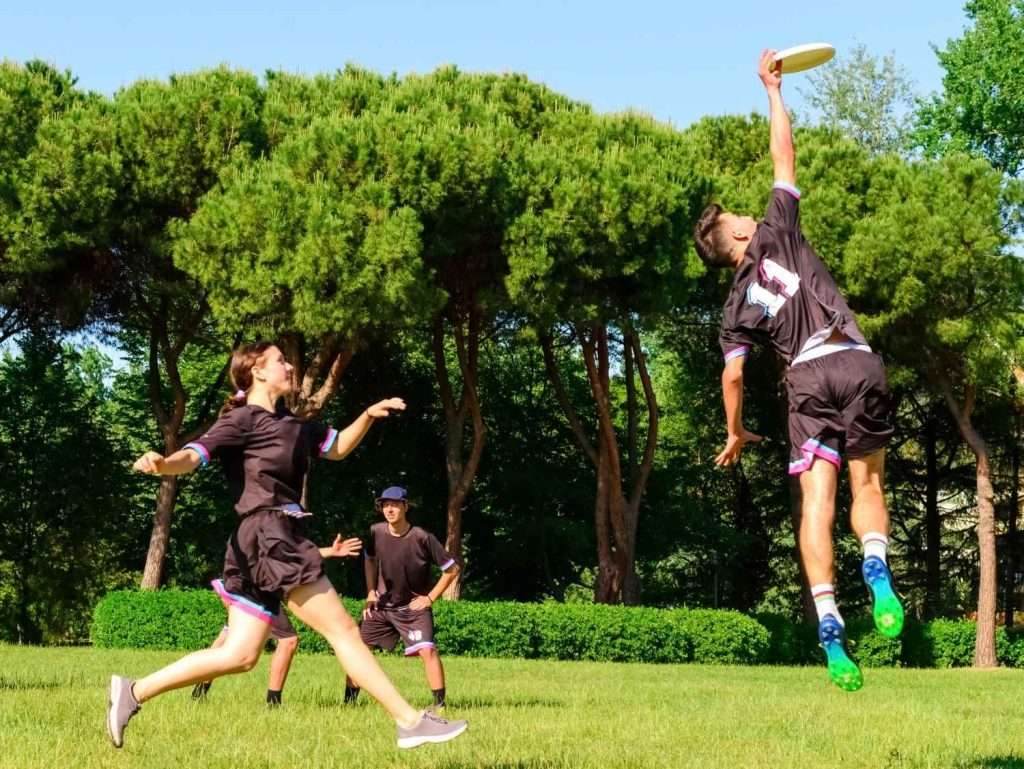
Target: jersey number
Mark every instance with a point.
(772, 272)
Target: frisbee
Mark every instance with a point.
(801, 57)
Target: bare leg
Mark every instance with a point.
(239, 652)
(318, 606)
(868, 512)
(281, 662)
(433, 667)
(818, 489)
(217, 643)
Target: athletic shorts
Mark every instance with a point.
(268, 557)
(384, 627)
(280, 626)
(838, 404)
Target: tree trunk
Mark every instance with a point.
(616, 513)
(461, 471)
(161, 536)
(606, 584)
(1010, 592)
(933, 524)
(985, 640)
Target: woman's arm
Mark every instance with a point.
(180, 462)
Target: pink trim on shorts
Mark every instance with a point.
(736, 352)
(248, 606)
(410, 650)
(814, 448)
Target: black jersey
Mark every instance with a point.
(265, 454)
(404, 563)
(782, 293)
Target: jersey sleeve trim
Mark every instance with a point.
(201, 450)
(787, 187)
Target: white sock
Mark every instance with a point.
(875, 544)
(825, 601)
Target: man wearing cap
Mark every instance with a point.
(400, 590)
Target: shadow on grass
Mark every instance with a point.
(22, 685)
(531, 763)
(995, 762)
(455, 704)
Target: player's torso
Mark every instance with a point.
(782, 292)
(270, 468)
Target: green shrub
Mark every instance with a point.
(473, 629)
(723, 637)
(165, 619)
(790, 643)
(869, 647)
(191, 619)
(946, 643)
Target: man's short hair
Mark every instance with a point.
(714, 247)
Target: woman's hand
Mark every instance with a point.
(384, 408)
(150, 462)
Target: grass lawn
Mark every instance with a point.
(523, 714)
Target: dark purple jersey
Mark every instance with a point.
(781, 293)
(404, 563)
(265, 454)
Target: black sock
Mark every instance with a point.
(351, 693)
(273, 696)
(199, 691)
(438, 696)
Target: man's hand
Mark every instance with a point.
(343, 548)
(150, 462)
(371, 604)
(733, 447)
(385, 407)
(420, 603)
(769, 70)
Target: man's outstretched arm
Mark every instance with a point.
(781, 141)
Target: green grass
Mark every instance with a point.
(523, 714)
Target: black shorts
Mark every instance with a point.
(281, 627)
(267, 557)
(384, 627)
(838, 404)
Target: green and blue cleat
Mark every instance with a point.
(886, 607)
(842, 670)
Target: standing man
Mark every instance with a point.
(400, 590)
(784, 296)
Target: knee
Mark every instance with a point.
(344, 635)
(288, 645)
(428, 653)
(243, 660)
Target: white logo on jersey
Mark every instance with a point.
(773, 272)
(415, 635)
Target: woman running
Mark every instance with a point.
(265, 453)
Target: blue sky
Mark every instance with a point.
(675, 60)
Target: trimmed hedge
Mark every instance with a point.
(191, 619)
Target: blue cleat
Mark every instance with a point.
(886, 607)
(842, 670)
